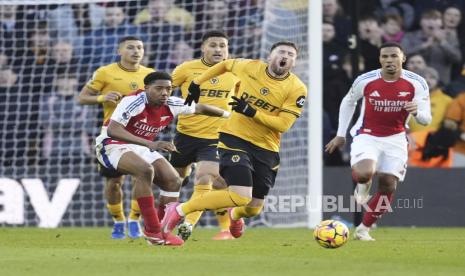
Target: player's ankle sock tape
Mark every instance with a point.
(116, 211)
(134, 214)
(169, 194)
(246, 212)
(223, 219)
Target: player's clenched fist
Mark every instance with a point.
(241, 106)
(411, 107)
(193, 93)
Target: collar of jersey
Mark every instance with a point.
(206, 63)
(274, 78)
(126, 69)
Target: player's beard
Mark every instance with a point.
(278, 69)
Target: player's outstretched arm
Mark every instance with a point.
(280, 123)
(210, 110)
(89, 96)
(193, 92)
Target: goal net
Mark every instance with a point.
(49, 49)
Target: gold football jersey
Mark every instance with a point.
(116, 78)
(216, 91)
(267, 94)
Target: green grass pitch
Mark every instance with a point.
(261, 251)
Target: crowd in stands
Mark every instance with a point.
(48, 52)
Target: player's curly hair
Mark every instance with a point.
(214, 33)
(154, 76)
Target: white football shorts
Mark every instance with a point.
(110, 154)
(390, 153)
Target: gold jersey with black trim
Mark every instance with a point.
(115, 78)
(216, 91)
(267, 94)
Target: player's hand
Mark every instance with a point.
(335, 143)
(162, 145)
(412, 108)
(243, 107)
(113, 97)
(193, 94)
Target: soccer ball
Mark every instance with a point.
(331, 234)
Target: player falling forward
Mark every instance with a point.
(109, 84)
(197, 135)
(127, 145)
(390, 96)
(269, 101)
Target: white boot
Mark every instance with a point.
(361, 233)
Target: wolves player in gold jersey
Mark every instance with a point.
(108, 85)
(197, 135)
(269, 101)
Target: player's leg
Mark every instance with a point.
(207, 177)
(168, 180)
(391, 169)
(134, 230)
(222, 215)
(265, 166)
(202, 184)
(181, 160)
(114, 197)
(235, 167)
(364, 154)
(142, 174)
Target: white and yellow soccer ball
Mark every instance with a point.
(331, 234)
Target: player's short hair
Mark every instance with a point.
(128, 38)
(154, 76)
(214, 33)
(391, 44)
(285, 43)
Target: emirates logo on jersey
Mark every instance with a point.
(387, 105)
(133, 85)
(214, 80)
(142, 129)
(264, 91)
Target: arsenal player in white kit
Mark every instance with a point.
(126, 144)
(391, 95)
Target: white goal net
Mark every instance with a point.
(49, 49)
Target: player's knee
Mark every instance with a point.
(114, 184)
(241, 197)
(387, 183)
(145, 173)
(173, 183)
(204, 178)
(219, 183)
(361, 175)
